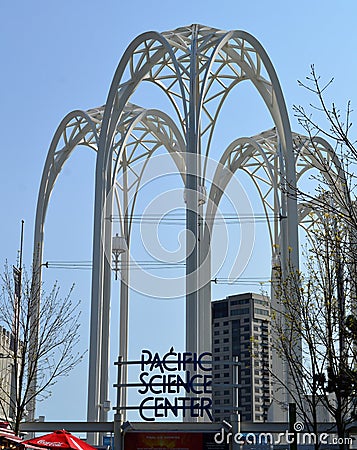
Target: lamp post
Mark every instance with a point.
(119, 246)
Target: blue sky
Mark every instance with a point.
(57, 57)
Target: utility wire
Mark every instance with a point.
(157, 265)
(179, 218)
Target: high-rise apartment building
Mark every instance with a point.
(241, 331)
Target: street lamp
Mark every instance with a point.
(119, 246)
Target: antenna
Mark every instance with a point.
(21, 243)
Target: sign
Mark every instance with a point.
(173, 440)
(108, 441)
(174, 383)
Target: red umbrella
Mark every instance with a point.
(59, 439)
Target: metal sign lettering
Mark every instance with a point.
(186, 375)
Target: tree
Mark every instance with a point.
(316, 319)
(316, 327)
(26, 364)
(329, 122)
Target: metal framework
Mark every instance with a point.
(196, 67)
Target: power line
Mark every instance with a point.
(158, 265)
(242, 281)
(140, 264)
(179, 218)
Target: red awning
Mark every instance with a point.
(10, 437)
(7, 433)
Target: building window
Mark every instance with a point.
(261, 302)
(226, 349)
(216, 333)
(262, 312)
(238, 312)
(216, 341)
(220, 309)
(242, 301)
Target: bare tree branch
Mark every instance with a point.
(55, 354)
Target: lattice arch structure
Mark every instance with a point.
(151, 130)
(196, 67)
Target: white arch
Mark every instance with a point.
(182, 51)
(82, 128)
(189, 64)
(77, 128)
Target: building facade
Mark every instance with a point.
(241, 347)
(6, 374)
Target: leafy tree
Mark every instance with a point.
(315, 326)
(316, 319)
